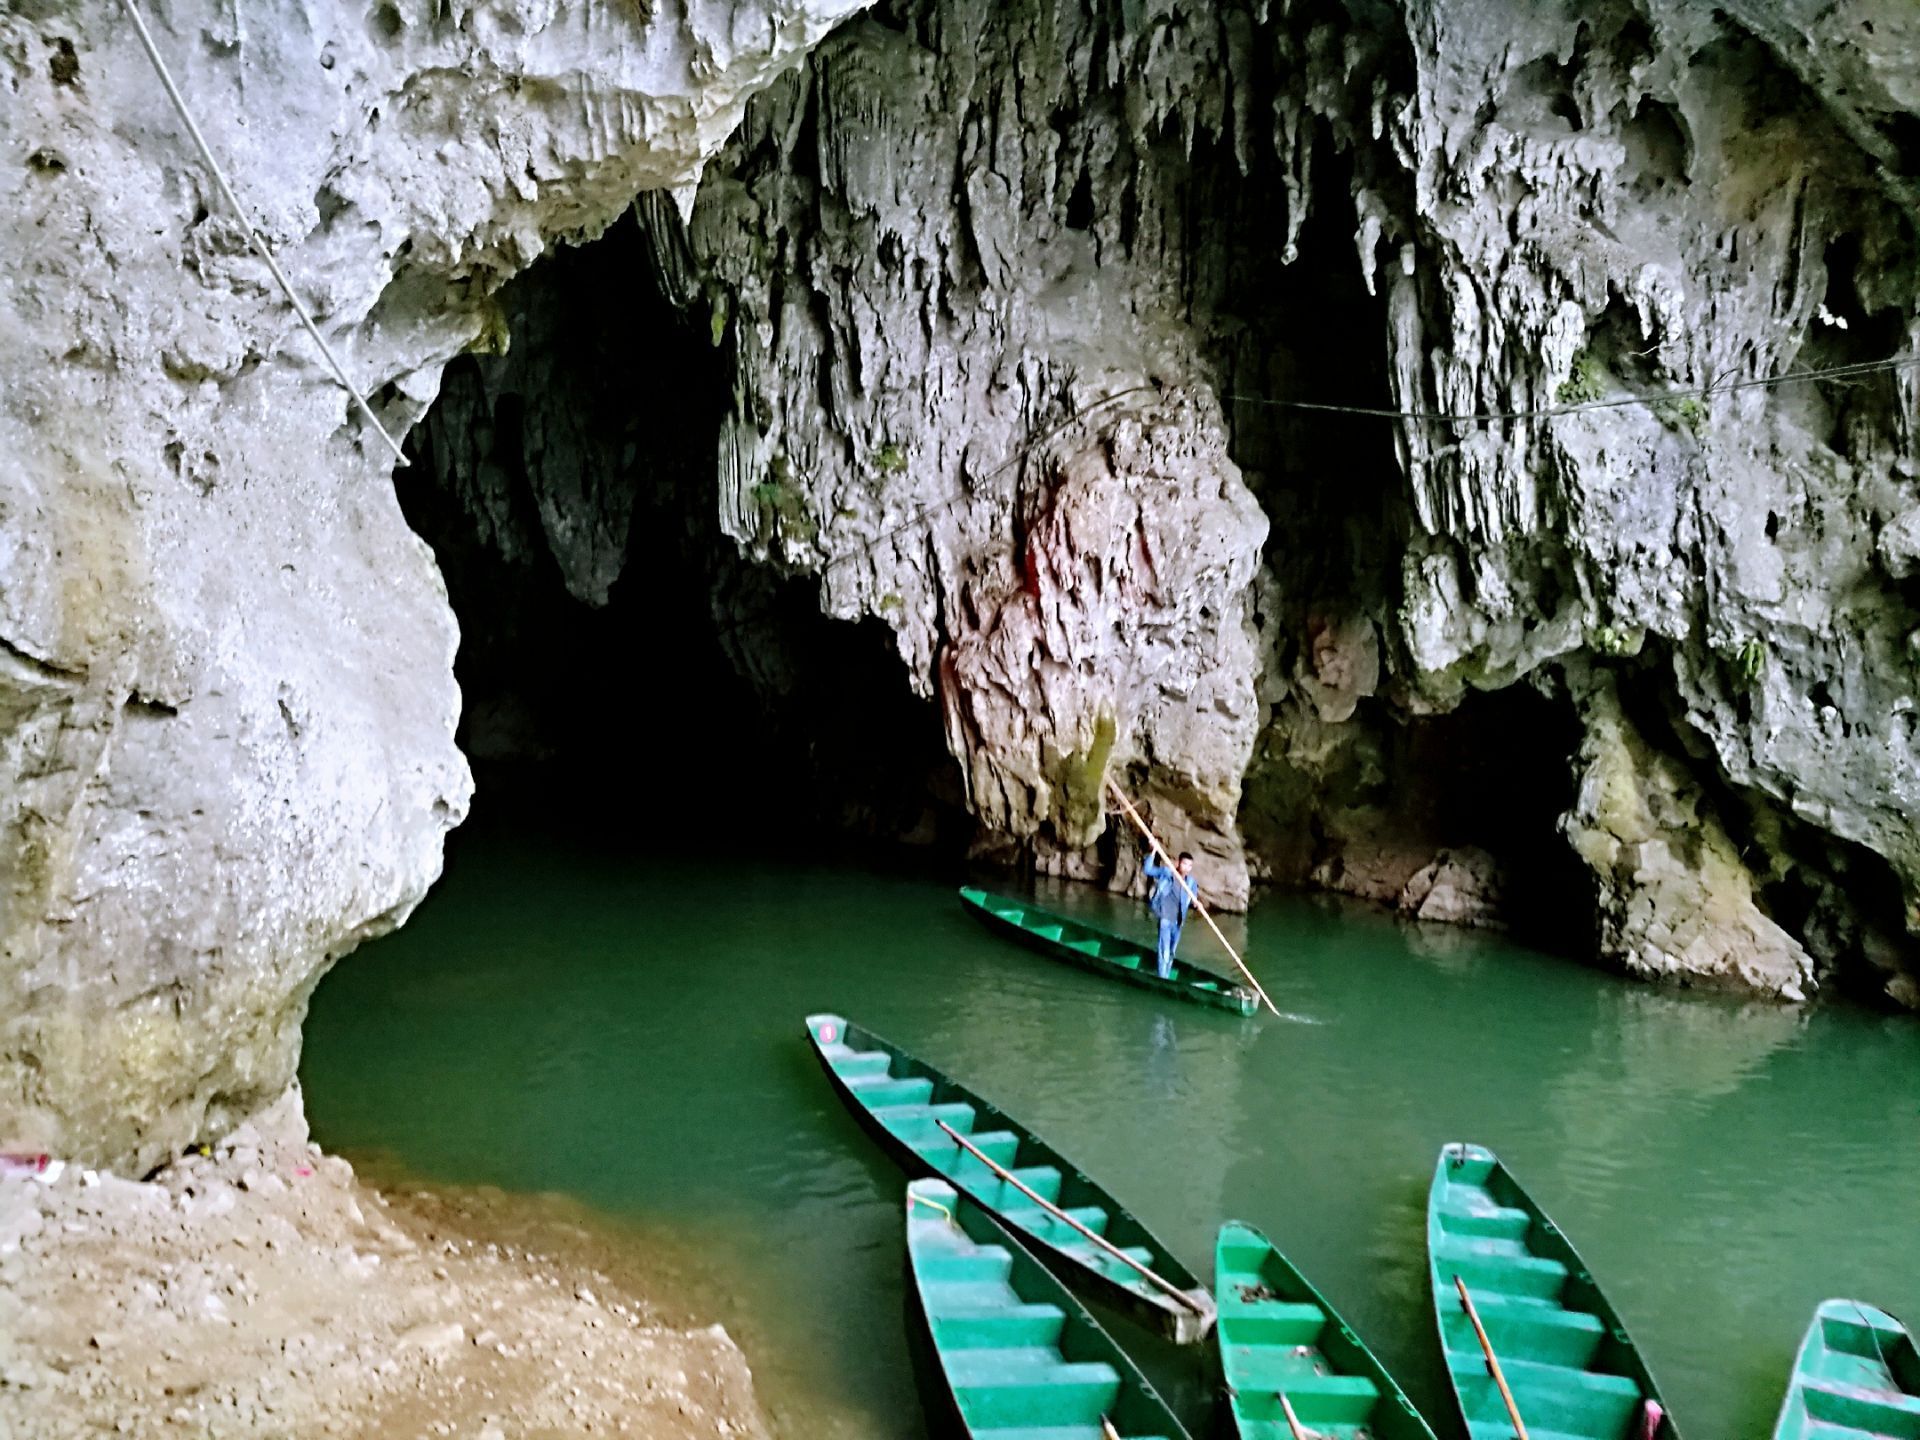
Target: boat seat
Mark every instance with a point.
(1043, 1226)
(1884, 1414)
(1062, 1432)
(1554, 1397)
(1270, 1322)
(1092, 1255)
(1000, 1145)
(849, 1063)
(1004, 1388)
(1526, 1328)
(1501, 1222)
(971, 1327)
(1331, 1399)
(877, 1090)
(975, 1266)
(1502, 1429)
(1043, 1180)
(917, 1124)
(1505, 1274)
(1846, 1367)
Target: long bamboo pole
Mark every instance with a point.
(1493, 1361)
(1054, 1210)
(1293, 1420)
(1107, 1432)
(1192, 894)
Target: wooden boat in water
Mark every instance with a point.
(1278, 1337)
(1573, 1371)
(1857, 1377)
(1022, 1359)
(916, 1113)
(1113, 956)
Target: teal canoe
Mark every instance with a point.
(1574, 1372)
(1279, 1337)
(1857, 1378)
(1113, 956)
(901, 1102)
(1021, 1358)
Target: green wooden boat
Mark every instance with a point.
(1114, 956)
(1278, 1337)
(1857, 1378)
(902, 1101)
(1021, 1358)
(1574, 1372)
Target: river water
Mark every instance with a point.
(628, 1032)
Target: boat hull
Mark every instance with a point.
(1011, 1346)
(1857, 1374)
(919, 1148)
(1565, 1352)
(1277, 1335)
(1114, 957)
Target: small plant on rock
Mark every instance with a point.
(1586, 380)
(1686, 414)
(783, 506)
(1617, 641)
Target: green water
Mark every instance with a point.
(629, 1032)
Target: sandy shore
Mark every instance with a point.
(262, 1290)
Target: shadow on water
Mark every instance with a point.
(626, 1030)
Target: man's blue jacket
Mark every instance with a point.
(1170, 896)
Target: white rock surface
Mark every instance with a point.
(226, 694)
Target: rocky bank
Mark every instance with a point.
(260, 1290)
(1006, 313)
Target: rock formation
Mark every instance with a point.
(225, 662)
(1011, 301)
(964, 223)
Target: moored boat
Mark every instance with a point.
(1113, 956)
(1566, 1357)
(1857, 1375)
(934, 1126)
(1021, 1358)
(1278, 1337)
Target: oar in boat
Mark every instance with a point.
(903, 1102)
(1165, 1286)
(1193, 895)
(1287, 1355)
(1493, 1360)
(1565, 1359)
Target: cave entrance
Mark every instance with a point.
(625, 673)
(1495, 775)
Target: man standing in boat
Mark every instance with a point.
(1172, 894)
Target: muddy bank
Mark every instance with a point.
(264, 1290)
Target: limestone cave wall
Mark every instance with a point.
(970, 369)
(1132, 229)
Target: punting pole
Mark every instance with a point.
(1293, 1420)
(1192, 894)
(1054, 1210)
(1493, 1361)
